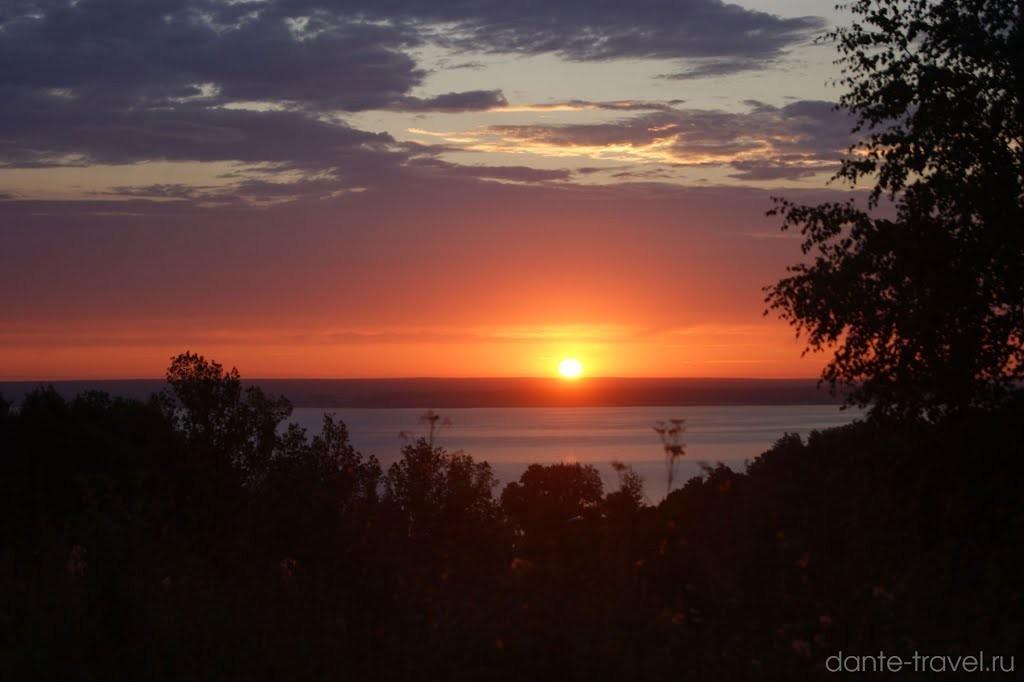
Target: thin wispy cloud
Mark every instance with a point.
(764, 143)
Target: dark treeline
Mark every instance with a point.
(189, 537)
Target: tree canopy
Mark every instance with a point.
(919, 290)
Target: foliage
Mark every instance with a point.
(128, 552)
(436, 490)
(921, 294)
(552, 494)
(217, 414)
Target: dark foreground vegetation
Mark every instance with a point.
(190, 538)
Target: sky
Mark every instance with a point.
(401, 188)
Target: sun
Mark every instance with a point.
(570, 368)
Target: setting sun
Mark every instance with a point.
(570, 368)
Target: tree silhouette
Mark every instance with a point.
(240, 425)
(920, 294)
(436, 491)
(546, 497)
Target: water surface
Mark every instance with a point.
(512, 438)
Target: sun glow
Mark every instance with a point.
(570, 368)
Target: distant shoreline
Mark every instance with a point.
(495, 392)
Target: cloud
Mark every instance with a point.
(39, 132)
(522, 174)
(800, 139)
(716, 68)
(245, 192)
(587, 105)
(351, 56)
(455, 102)
(161, 191)
(788, 166)
(122, 53)
(472, 66)
(115, 82)
(267, 84)
(608, 29)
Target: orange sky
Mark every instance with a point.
(489, 285)
(754, 351)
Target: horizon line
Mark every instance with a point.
(551, 378)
